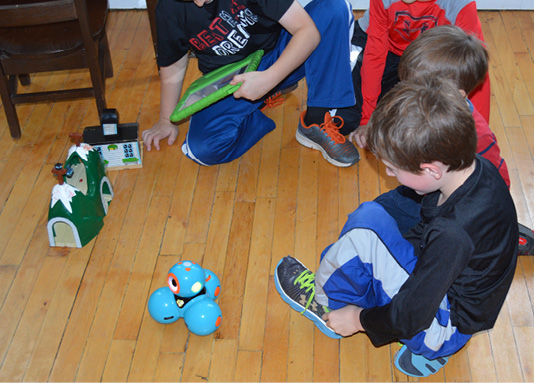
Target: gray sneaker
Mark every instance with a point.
(327, 139)
(296, 285)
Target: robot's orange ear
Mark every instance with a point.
(173, 283)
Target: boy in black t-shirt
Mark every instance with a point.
(448, 277)
(311, 42)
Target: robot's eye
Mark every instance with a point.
(196, 287)
(172, 281)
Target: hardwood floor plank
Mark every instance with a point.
(151, 335)
(22, 190)
(368, 177)
(286, 206)
(458, 366)
(525, 339)
(248, 366)
(217, 241)
(301, 333)
(504, 348)
(327, 208)
(223, 360)
(99, 340)
(50, 337)
(197, 228)
(232, 281)
(525, 164)
(169, 367)
(136, 296)
(179, 213)
(251, 336)
(18, 294)
(325, 358)
(247, 181)
(353, 358)
(275, 348)
(197, 359)
(481, 359)
(11, 171)
(7, 275)
(513, 28)
(500, 87)
(23, 229)
(118, 360)
(31, 321)
(270, 157)
(521, 315)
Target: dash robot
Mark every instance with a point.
(190, 293)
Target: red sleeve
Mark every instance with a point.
(468, 20)
(374, 58)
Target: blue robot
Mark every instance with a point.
(190, 294)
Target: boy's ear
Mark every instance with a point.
(432, 170)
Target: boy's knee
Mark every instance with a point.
(209, 151)
(202, 153)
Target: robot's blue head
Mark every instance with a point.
(186, 279)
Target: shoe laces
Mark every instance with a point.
(331, 126)
(273, 100)
(306, 279)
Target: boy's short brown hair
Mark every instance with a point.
(449, 52)
(421, 122)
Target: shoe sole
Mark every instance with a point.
(424, 366)
(304, 141)
(526, 240)
(321, 325)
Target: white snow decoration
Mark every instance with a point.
(63, 193)
(82, 150)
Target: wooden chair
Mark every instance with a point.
(52, 35)
(151, 10)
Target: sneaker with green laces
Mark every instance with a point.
(296, 285)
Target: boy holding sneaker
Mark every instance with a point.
(448, 276)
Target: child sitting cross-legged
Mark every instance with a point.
(446, 278)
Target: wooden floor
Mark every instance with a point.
(80, 314)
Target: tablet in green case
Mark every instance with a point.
(213, 86)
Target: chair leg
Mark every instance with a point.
(9, 108)
(25, 79)
(105, 54)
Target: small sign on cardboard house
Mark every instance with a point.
(119, 151)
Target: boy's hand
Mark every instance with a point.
(345, 321)
(254, 85)
(161, 130)
(358, 136)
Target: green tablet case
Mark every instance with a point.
(213, 86)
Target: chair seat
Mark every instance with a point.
(49, 39)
